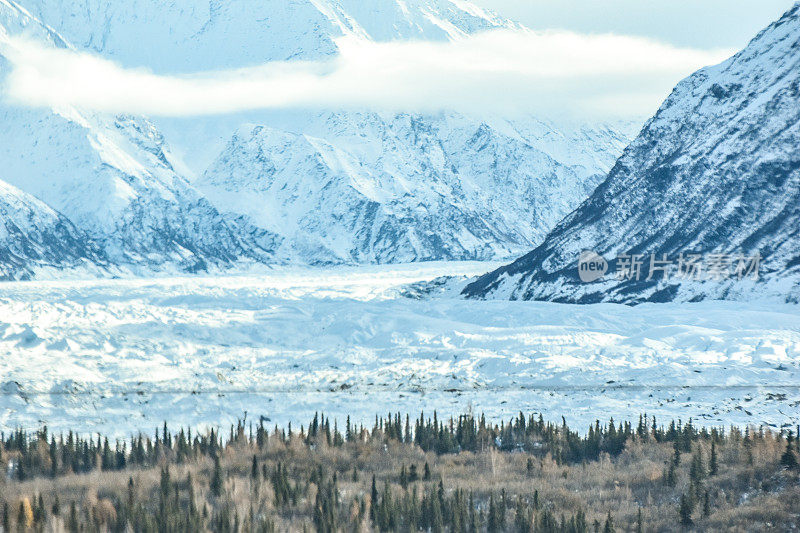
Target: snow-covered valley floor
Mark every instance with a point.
(119, 355)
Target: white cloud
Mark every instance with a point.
(507, 71)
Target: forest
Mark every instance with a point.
(420, 473)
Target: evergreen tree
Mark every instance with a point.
(748, 446)
(373, 501)
(474, 526)
(522, 519)
(789, 459)
(696, 469)
(39, 512)
(22, 520)
(685, 511)
(494, 523)
(325, 508)
(671, 477)
(713, 466)
(72, 523)
(609, 525)
(216, 478)
(254, 469)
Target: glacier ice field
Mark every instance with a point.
(125, 355)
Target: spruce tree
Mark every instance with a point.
(713, 466)
(22, 520)
(789, 459)
(522, 519)
(216, 478)
(748, 447)
(373, 501)
(72, 523)
(39, 512)
(696, 468)
(609, 525)
(493, 524)
(685, 511)
(671, 477)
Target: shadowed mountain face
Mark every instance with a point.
(34, 237)
(716, 172)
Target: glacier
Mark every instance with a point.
(119, 356)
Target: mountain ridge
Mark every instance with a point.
(715, 171)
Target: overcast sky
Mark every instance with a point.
(685, 23)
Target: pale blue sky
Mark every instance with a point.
(690, 23)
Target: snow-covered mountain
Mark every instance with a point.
(296, 186)
(34, 237)
(114, 179)
(716, 172)
(374, 188)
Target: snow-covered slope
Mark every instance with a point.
(112, 178)
(34, 237)
(374, 188)
(715, 171)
